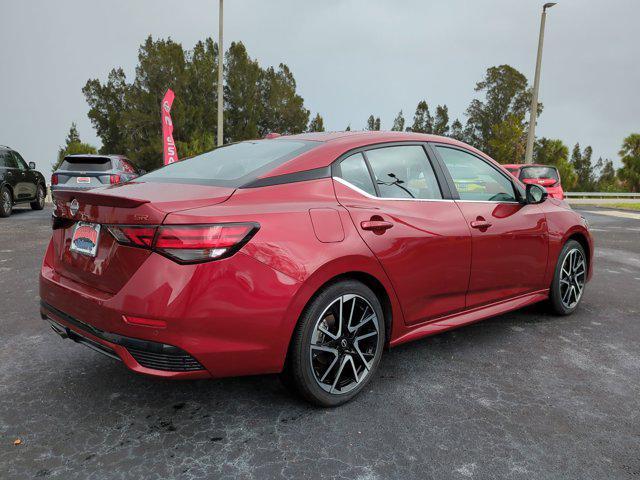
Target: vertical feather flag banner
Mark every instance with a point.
(170, 151)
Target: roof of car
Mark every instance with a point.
(94, 155)
(521, 165)
(334, 144)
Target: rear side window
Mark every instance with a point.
(86, 164)
(4, 159)
(539, 172)
(475, 179)
(7, 159)
(232, 165)
(354, 170)
(403, 172)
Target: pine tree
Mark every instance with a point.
(376, 125)
(504, 108)
(422, 119)
(371, 123)
(581, 162)
(398, 123)
(73, 146)
(316, 124)
(456, 130)
(441, 121)
(348, 129)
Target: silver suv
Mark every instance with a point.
(83, 172)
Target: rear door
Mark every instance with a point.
(7, 169)
(510, 241)
(403, 213)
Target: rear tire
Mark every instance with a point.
(569, 279)
(337, 344)
(6, 202)
(38, 204)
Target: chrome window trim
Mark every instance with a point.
(365, 194)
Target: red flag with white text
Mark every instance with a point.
(169, 146)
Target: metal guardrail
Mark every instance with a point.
(602, 195)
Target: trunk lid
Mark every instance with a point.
(134, 203)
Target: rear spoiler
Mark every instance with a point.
(97, 198)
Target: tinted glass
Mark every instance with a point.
(9, 159)
(475, 179)
(4, 158)
(354, 170)
(86, 164)
(22, 165)
(233, 165)
(403, 172)
(538, 172)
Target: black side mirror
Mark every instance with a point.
(536, 193)
(32, 165)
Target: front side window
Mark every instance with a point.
(475, 179)
(354, 170)
(403, 172)
(9, 160)
(20, 163)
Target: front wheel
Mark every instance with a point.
(6, 202)
(38, 204)
(569, 279)
(337, 345)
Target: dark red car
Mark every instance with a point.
(305, 255)
(545, 175)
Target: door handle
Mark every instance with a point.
(376, 225)
(480, 223)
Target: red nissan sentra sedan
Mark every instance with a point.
(305, 255)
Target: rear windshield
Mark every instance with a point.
(232, 165)
(538, 172)
(86, 164)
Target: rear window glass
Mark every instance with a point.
(86, 164)
(538, 172)
(232, 165)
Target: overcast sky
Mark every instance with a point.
(350, 58)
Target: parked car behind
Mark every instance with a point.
(545, 175)
(83, 172)
(19, 182)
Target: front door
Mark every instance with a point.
(27, 177)
(420, 238)
(510, 242)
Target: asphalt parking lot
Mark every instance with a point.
(524, 395)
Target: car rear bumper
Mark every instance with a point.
(218, 319)
(55, 188)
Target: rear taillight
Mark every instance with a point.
(113, 179)
(200, 243)
(54, 179)
(187, 243)
(133, 235)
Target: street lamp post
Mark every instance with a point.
(533, 114)
(220, 77)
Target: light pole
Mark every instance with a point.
(533, 114)
(220, 76)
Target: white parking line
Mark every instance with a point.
(615, 213)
